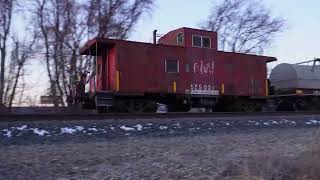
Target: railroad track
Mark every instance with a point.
(41, 128)
(117, 116)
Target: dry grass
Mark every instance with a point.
(277, 166)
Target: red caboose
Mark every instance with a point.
(184, 69)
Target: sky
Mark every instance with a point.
(299, 42)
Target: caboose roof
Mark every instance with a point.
(96, 45)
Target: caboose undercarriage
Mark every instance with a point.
(148, 102)
(105, 101)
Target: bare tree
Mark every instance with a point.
(115, 18)
(64, 24)
(245, 26)
(6, 9)
(22, 51)
(47, 22)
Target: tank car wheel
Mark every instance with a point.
(286, 106)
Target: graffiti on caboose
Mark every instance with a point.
(203, 68)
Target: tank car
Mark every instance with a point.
(183, 69)
(296, 86)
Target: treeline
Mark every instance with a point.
(55, 31)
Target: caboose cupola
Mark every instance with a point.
(188, 37)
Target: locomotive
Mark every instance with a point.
(183, 69)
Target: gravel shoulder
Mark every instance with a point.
(204, 156)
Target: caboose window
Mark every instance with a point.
(206, 42)
(180, 38)
(172, 66)
(200, 41)
(196, 41)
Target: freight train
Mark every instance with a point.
(185, 69)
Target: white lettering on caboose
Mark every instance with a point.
(202, 89)
(203, 68)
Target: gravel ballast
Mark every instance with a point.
(183, 156)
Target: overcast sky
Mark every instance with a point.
(300, 42)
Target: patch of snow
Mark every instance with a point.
(112, 128)
(127, 128)
(79, 128)
(163, 127)
(22, 127)
(139, 127)
(257, 123)
(292, 122)
(267, 124)
(314, 121)
(284, 121)
(228, 124)
(7, 133)
(67, 130)
(40, 132)
(274, 122)
(149, 124)
(93, 129)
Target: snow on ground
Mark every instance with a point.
(93, 129)
(312, 121)
(139, 127)
(163, 127)
(68, 130)
(40, 132)
(22, 127)
(79, 128)
(126, 128)
(7, 133)
(16, 131)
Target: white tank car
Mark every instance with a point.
(295, 77)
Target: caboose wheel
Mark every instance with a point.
(103, 109)
(136, 106)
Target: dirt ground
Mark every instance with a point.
(206, 156)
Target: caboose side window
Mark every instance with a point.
(196, 41)
(180, 38)
(172, 66)
(201, 41)
(206, 42)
